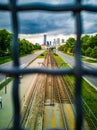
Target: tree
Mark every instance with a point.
(70, 44)
(82, 51)
(61, 48)
(94, 52)
(37, 46)
(93, 41)
(25, 47)
(5, 41)
(88, 51)
(70, 41)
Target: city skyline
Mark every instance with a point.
(39, 38)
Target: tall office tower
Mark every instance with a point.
(50, 43)
(45, 38)
(63, 41)
(58, 41)
(54, 42)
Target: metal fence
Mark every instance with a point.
(78, 71)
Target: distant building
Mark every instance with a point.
(48, 43)
(45, 39)
(63, 41)
(58, 41)
(43, 46)
(54, 42)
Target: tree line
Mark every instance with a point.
(88, 46)
(25, 47)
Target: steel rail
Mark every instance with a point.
(61, 105)
(52, 81)
(29, 103)
(43, 104)
(54, 64)
(36, 89)
(65, 90)
(40, 87)
(68, 95)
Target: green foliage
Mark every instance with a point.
(94, 52)
(5, 59)
(61, 48)
(25, 47)
(52, 48)
(89, 46)
(5, 42)
(37, 46)
(88, 51)
(82, 51)
(43, 55)
(60, 62)
(5, 82)
(69, 46)
(85, 42)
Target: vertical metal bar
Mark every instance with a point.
(78, 71)
(15, 54)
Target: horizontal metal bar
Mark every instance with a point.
(50, 7)
(90, 71)
(17, 71)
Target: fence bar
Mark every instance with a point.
(50, 7)
(15, 55)
(78, 71)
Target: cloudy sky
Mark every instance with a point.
(38, 22)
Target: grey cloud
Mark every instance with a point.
(41, 22)
(45, 22)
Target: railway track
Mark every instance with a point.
(50, 103)
(59, 94)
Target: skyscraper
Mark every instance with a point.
(45, 38)
(58, 41)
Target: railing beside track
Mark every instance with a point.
(86, 108)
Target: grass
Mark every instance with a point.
(89, 60)
(5, 82)
(5, 59)
(89, 94)
(60, 61)
(43, 55)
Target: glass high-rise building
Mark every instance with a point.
(45, 39)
